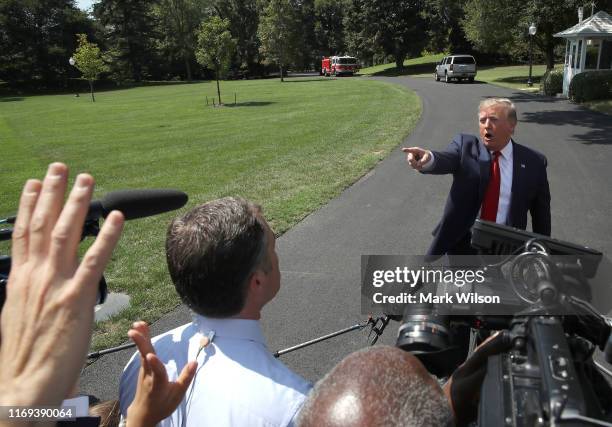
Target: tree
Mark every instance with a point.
(88, 61)
(501, 26)
(277, 25)
(396, 26)
(131, 38)
(178, 24)
(215, 46)
(359, 42)
(36, 39)
(444, 30)
(243, 17)
(329, 26)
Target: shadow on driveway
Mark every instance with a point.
(599, 125)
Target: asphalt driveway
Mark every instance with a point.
(393, 209)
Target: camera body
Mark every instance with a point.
(548, 376)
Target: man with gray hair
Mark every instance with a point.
(222, 260)
(494, 178)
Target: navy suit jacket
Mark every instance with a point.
(469, 161)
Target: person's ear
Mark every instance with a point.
(256, 281)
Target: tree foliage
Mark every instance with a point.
(444, 30)
(157, 39)
(277, 32)
(396, 26)
(88, 60)
(502, 26)
(243, 18)
(329, 26)
(178, 22)
(36, 39)
(129, 32)
(215, 46)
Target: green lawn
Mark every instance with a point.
(421, 66)
(513, 77)
(288, 146)
(604, 106)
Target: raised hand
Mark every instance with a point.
(156, 397)
(48, 315)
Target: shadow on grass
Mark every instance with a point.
(10, 99)
(249, 104)
(322, 79)
(426, 67)
(598, 125)
(519, 79)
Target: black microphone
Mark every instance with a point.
(137, 203)
(131, 203)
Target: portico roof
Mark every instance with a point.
(600, 24)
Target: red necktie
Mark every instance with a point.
(491, 199)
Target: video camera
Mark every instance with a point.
(549, 376)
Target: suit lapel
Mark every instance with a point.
(518, 179)
(484, 162)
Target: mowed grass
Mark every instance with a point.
(603, 106)
(289, 146)
(421, 66)
(513, 77)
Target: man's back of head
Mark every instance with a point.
(213, 250)
(377, 386)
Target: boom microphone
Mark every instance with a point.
(131, 203)
(137, 203)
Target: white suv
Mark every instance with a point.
(456, 67)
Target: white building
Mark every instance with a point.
(588, 47)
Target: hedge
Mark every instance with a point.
(591, 85)
(552, 82)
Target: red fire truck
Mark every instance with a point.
(338, 65)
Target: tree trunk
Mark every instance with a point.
(550, 55)
(281, 59)
(187, 66)
(218, 90)
(399, 61)
(400, 55)
(93, 99)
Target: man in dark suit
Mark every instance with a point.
(494, 178)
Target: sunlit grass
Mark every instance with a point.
(289, 146)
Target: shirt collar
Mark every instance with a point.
(506, 152)
(242, 329)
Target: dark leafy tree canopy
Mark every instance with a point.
(157, 39)
(37, 38)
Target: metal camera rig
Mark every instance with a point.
(549, 376)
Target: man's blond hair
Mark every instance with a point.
(504, 102)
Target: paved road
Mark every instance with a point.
(392, 210)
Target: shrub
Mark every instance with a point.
(552, 82)
(591, 85)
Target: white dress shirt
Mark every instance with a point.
(238, 381)
(505, 188)
(506, 162)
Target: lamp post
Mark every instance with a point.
(532, 31)
(72, 62)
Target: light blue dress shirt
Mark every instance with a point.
(238, 381)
